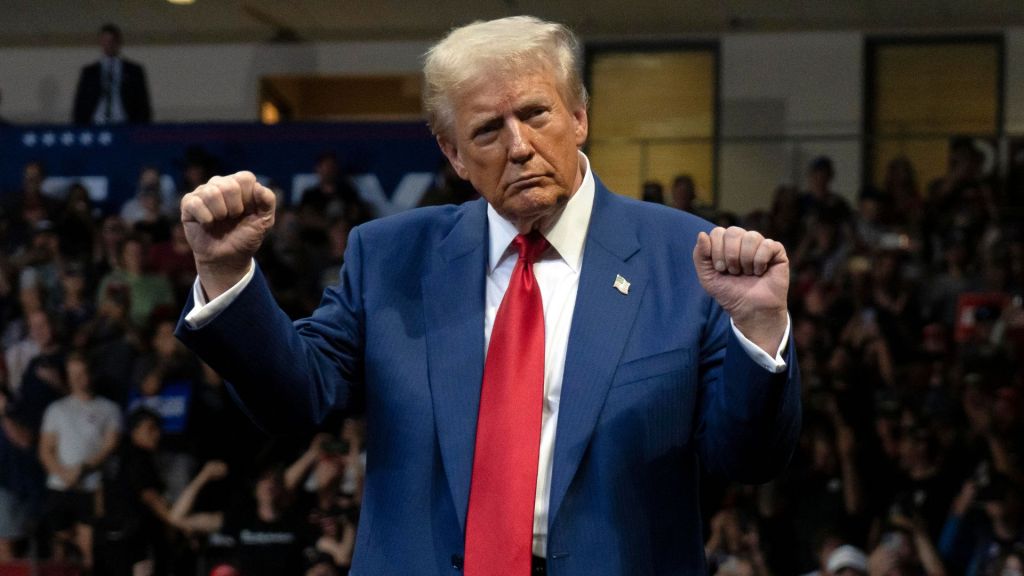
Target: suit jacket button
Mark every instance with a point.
(456, 561)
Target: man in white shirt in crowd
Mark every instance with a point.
(80, 431)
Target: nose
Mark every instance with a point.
(519, 148)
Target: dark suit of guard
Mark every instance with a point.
(133, 90)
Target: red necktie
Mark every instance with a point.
(499, 527)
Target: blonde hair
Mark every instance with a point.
(505, 47)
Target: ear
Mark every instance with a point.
(452, 153)
(580, 117)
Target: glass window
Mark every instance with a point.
(923, 93)
(652, 117)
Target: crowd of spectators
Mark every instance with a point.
(120, 452)
(907, 318)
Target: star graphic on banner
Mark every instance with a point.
(85, 138)
(105, 138)
(49, 139)
(29, 139)
(67, 139)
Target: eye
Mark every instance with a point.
(487, 128)
(535, 112)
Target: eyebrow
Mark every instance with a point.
(491, 122)
(532, 102)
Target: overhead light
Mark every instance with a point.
(182, 2)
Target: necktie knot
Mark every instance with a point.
(530, 246)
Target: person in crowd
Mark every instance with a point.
(107, 249)
(684, 194)
(820, 202)
(847, 560)
(146, 291)
(76, 309)
(19, 357)
(112, 342)
(825, 248)
(22, 479)
(784, 216)
(268, 533)
(76, 225)
(132, 532)
(173, 260)
(903, 203)
(332, 197)
(905, 549)
(653, 191)
(152, 198)
(825, 491)
(112, 90)
(165, 380)
(448, 188)
(79, 433)
(961, 202)
(152, 224)
(735, 540)
(24, 209)
(985, 524)
(317, 478)
(869, 226)
(41, 262)
(197, 166)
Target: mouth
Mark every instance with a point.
(526, 182)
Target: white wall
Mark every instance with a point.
(1014, 100)
(772, 85)
(189, 83)
(805, 86)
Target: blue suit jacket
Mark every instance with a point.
(653, 381)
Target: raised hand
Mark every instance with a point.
(214, 470)
(748, 275)
(225, 223)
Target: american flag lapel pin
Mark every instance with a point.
(621, 284)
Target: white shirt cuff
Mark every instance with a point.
(760, 357)
(203, 312)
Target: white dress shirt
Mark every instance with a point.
(558, 273)
(110, 70)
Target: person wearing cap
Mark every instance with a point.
(543, 367)
(847, 560)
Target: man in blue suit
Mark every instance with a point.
(663, 344)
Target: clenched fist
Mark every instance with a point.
(748, 275)
(225, 222)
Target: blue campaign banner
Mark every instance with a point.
(391, 163)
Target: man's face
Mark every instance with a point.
(110, 44)
(516, 140)
(146, 435)
(39, 328)
(78, 376)
(32, 177)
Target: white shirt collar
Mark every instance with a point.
(566, 234)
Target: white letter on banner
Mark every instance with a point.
(407, 194)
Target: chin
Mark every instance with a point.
(529, 213)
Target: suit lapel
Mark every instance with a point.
(600, 326)
(453, 299)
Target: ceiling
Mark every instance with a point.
(71, 22)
